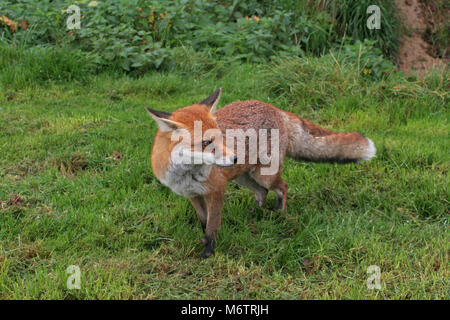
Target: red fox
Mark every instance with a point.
(212, 162)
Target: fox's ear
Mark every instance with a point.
(162, 119)
(212, 101)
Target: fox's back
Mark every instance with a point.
(250, 114)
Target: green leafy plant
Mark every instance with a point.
(137, 36)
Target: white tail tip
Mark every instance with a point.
(371, 151)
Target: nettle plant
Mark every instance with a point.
(134, 34)
(137, 35)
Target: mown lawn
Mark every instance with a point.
(76, 188)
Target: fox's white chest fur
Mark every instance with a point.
(186, 180)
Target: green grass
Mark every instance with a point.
(22, 67)
(76, 188)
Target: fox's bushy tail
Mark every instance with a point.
(310, 142)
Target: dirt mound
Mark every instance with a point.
(414, 50)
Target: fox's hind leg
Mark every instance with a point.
(275, 183)
(259, 191)
(280, 188)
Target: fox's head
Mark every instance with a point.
(192, 134)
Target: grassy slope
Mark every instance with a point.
(83, 204)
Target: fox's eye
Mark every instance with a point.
(205, 143)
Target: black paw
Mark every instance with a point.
(209, 247)
(279, 204)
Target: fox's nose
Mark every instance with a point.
(235, 159)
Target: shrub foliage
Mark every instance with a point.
(138, 35)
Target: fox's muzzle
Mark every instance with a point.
(226, 162)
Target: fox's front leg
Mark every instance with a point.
(199, 205)
(214, 202)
